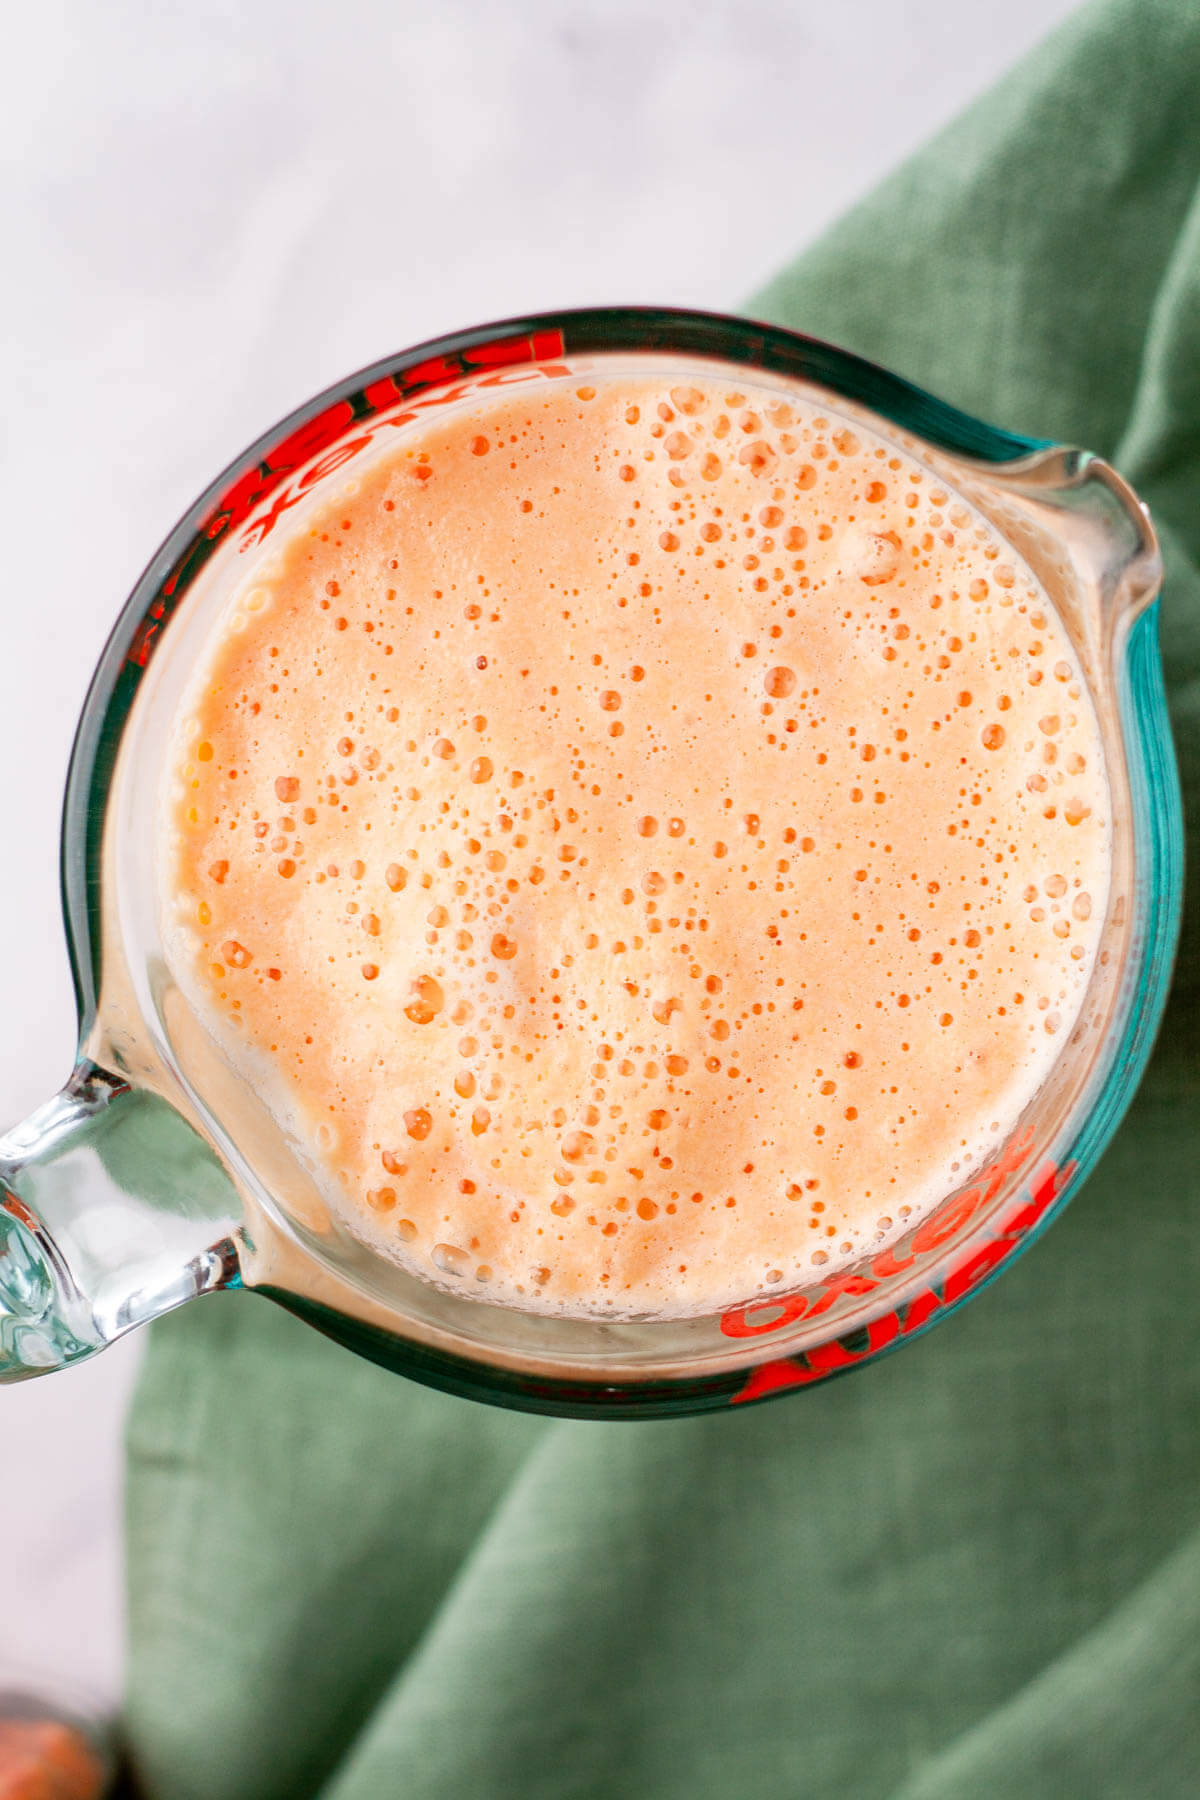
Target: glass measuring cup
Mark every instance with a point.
(158, 1174)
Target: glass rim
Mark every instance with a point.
(734, 342)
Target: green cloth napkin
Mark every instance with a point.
(972, 1570)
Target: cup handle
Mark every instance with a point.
(112, 1211)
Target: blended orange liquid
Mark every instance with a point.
(650, 841)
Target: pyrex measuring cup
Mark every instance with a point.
(158, 1175)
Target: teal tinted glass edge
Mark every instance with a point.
(1156, 802)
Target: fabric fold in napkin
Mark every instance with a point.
(972, 1569)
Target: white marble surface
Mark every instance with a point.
(210, 211)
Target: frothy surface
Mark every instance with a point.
(657, 837)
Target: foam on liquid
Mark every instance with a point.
(655, 838)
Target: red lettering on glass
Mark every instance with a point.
(510, 377)
(887, 1263)
(969, 1273)
(259, 529)
(503, 354)
(139, 650)
(921, 1310)
(838, 1285)
(236, 502)
(539, 347)
(825, 1360)
(1051, 1182)
(947, 1220)
(443, 397)
(336, 457)
(773, 1378)
(499, 350)
(310, 438)
(976, 1268)
(746, 1321)
(547, 344)
(194, 550)
(427, 374)
(1007, 1163)
(958, 1210)
(381, 394)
